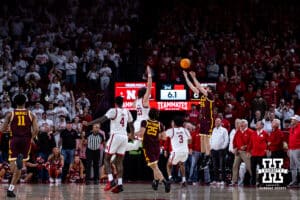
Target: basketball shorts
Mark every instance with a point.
(151, 155)
(19, 145)
(176, 157)
(116, 144)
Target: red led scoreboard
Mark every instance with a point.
(166, 96)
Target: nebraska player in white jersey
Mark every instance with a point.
(119, 118)
(117, 142)
(180, 138)
(142, 102)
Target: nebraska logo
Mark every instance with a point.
(272, 171)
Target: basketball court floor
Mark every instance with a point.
(144, 192)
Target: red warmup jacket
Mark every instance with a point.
(294, 137)
(276, 139)
(242, 138)
(226, 124)
(196, 143)
(258, 143)
(167, 145)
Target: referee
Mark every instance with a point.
(94, 141)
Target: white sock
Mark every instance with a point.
(183, 179)
(110, 177)
(11, 187)
(120, 182)
(170, 177)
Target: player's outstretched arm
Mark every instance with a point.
(98, 120)
(148, 90)
(189, 83)
(197, 83)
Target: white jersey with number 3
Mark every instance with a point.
(119, 118)
(179, 139)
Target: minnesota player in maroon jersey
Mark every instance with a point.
(206, 110)
(24, 128)
(150, 132)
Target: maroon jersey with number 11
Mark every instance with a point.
(20, 143)
(21, 123)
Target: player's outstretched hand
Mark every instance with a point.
(184, 73)
(192, 73)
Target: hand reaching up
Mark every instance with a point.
(193, 74)
(184, 73)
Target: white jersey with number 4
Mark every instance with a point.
(179, 139)
(119, 118)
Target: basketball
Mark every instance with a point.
(185, 63)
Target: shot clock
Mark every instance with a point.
(172, 92)
(167, 95)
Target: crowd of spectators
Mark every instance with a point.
(254, 66)
(43, 48)
(64, 55)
